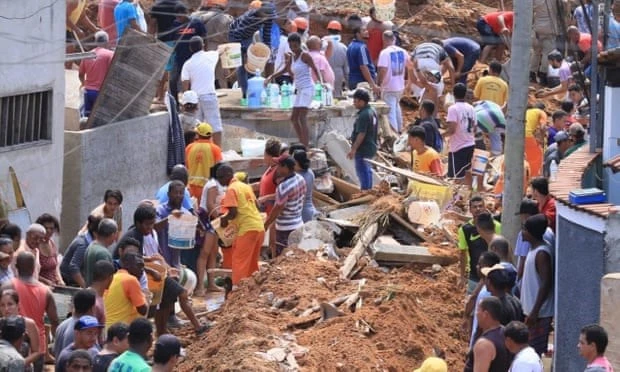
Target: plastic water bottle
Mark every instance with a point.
(318, 92)
(285, 97)
(553, 170)
(255, 90)
(274, 95)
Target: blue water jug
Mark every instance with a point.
(255, 90)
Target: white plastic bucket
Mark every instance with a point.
(252, 147)
(182, 231)
(188, 280)
(230, 55)
(424, 212)
(479, 162)
(385, 9)
(258, 55)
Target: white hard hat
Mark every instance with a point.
(189, 96)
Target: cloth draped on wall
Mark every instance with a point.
(176, 140)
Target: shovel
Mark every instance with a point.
(19, 216)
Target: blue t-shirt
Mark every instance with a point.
(358, 55)
(124, 12)
(184, 32)
(162, 196)
(552, 133)
(461, 44)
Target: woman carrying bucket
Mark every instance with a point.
(300, 65)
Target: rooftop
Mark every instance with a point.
(570, 177)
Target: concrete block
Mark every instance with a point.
(610, 317)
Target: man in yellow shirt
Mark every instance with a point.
(200, 156)
(424, 159)
(124, 300)
(239, 204)
(492, 87)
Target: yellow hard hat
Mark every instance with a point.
(204, 130)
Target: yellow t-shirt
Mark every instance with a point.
(492, 88)
(534, 117)
(423, 163)
(122, 299)
(200, 156)
(240, 195)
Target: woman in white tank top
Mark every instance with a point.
(298, 65)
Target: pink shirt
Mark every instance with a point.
(105, 18)
(395, 60)
(464, 116)
(602, 362)
(322, 65)
(96, 69)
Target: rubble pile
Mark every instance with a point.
(384, 319)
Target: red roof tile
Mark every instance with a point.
(570, 177)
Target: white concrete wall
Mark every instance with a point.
(129, 155)
(32, 56)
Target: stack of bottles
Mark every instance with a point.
(274, 96)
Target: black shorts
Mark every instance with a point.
(488, 37)
(460, 162)
(172, 291)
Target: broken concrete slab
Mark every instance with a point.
(396, 253)
(312, 236)
(338, 147)
(349, 213)
(329, 311)
(278, 353)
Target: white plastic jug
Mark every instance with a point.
(252, 147)
(424, 212)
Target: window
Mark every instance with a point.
(25, 119)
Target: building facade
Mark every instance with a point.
(32, 41)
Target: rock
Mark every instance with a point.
(278, 353)
(292, 363)
(298, 351)
(265, 356)
(329, 311)
(436, 268)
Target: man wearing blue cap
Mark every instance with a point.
(86, 333)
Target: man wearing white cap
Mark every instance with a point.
(189, 115)
(198, 74)
(34, 236)
(93, 71)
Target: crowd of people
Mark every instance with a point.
(123, 275)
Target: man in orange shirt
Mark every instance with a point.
(200, 156)
(424, 159)
(583, 43)
(494, 28)
(241, 209)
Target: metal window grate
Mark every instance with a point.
(25, 118)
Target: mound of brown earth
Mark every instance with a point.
(405, 315)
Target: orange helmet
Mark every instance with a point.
(301, 23)
(256, 4)
(334, 25)
(212, 3)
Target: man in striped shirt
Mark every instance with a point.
(289, 204)
(242, 30)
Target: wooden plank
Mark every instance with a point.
(358, 251)
(408, 173)
(131, 82)
(254, 167)
(346, 189)
(324, 198)
(407, 254)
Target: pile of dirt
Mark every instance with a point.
(405, 314)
